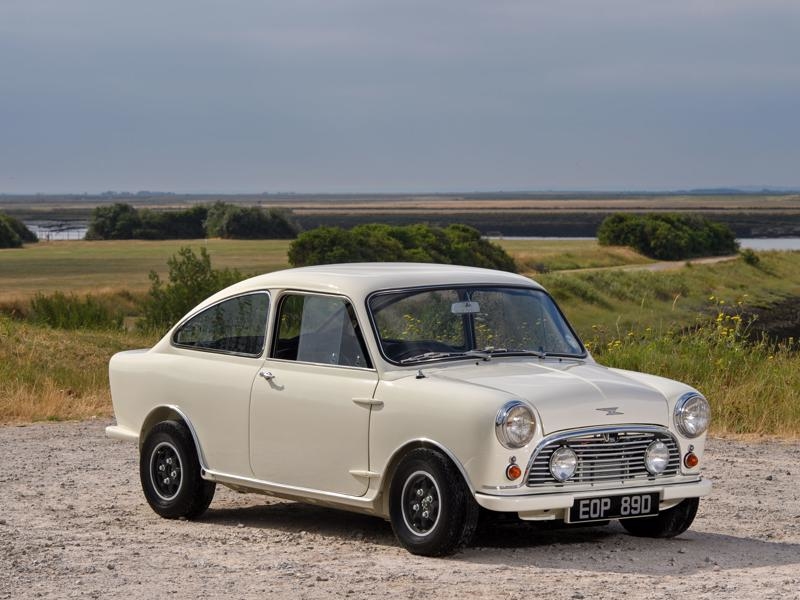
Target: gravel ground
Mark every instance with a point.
(73, 523)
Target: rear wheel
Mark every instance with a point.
(668, 523)
(432, 511)
(170, 473)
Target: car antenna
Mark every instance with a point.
(420, 374)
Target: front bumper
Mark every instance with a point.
(554, 506)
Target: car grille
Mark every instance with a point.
(604, 457)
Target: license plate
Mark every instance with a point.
(602, 508)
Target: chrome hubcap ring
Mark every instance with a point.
(419, 503)
(166, 471)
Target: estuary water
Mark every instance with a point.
(73, 231)
(791, 243)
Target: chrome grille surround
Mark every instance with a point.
(606, 456)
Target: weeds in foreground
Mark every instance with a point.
(54, 374)
(71, 312)
(753, 385)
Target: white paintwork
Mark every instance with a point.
(305, 429)
(331, 434)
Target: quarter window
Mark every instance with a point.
(319, 329)
(236, 326)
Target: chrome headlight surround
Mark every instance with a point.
(515, 424)
(692, 415)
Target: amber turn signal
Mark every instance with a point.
(691, 460)
(513, 472)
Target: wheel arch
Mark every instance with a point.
(382, 500)
(171, 413)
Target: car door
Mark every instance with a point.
(309, 411)
(216, 355)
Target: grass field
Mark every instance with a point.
(83, 267)
(675, 323)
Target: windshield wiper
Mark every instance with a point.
(434, 355)
(536, 353)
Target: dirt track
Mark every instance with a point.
(73, 523)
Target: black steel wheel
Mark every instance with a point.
(170, 473)
(431, 510)
(668, 523)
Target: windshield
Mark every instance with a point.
(439, 323)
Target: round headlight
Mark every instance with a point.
(515, 424)
(563, 463)
(692, 415)
(656, 458)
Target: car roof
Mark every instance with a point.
(361, 279)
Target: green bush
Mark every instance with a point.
(668, 236)
(249, 223)
(116, 222)
(191, 280)
(455, 244)
(186, 224)
(71, 312)
(124, 222)
(750, 257)
(13, 233)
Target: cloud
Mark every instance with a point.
(369, 94)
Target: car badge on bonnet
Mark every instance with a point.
(611, 411)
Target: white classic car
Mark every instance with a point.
(415, 392)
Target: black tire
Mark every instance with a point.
(669, 523)
(442, 518)
(170, 473)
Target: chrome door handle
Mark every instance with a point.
(266, 375)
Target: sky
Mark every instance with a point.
(398, 96)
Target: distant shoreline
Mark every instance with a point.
(750, 215)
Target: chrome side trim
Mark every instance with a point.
(299, 493)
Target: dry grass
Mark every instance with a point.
(753, 387)
(107, 267)
(49, 374)
(113, 267)
(542, 256)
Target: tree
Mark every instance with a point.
(186, 224)
(668, 236)
(455, 244)
(250, 223)
(191, 280)
(14, 233)
(122, 221)
(119, 221)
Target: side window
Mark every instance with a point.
(319, 329)
(236, 325)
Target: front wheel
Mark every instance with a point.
(170, 473)
(431, 510)
(668, 523)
